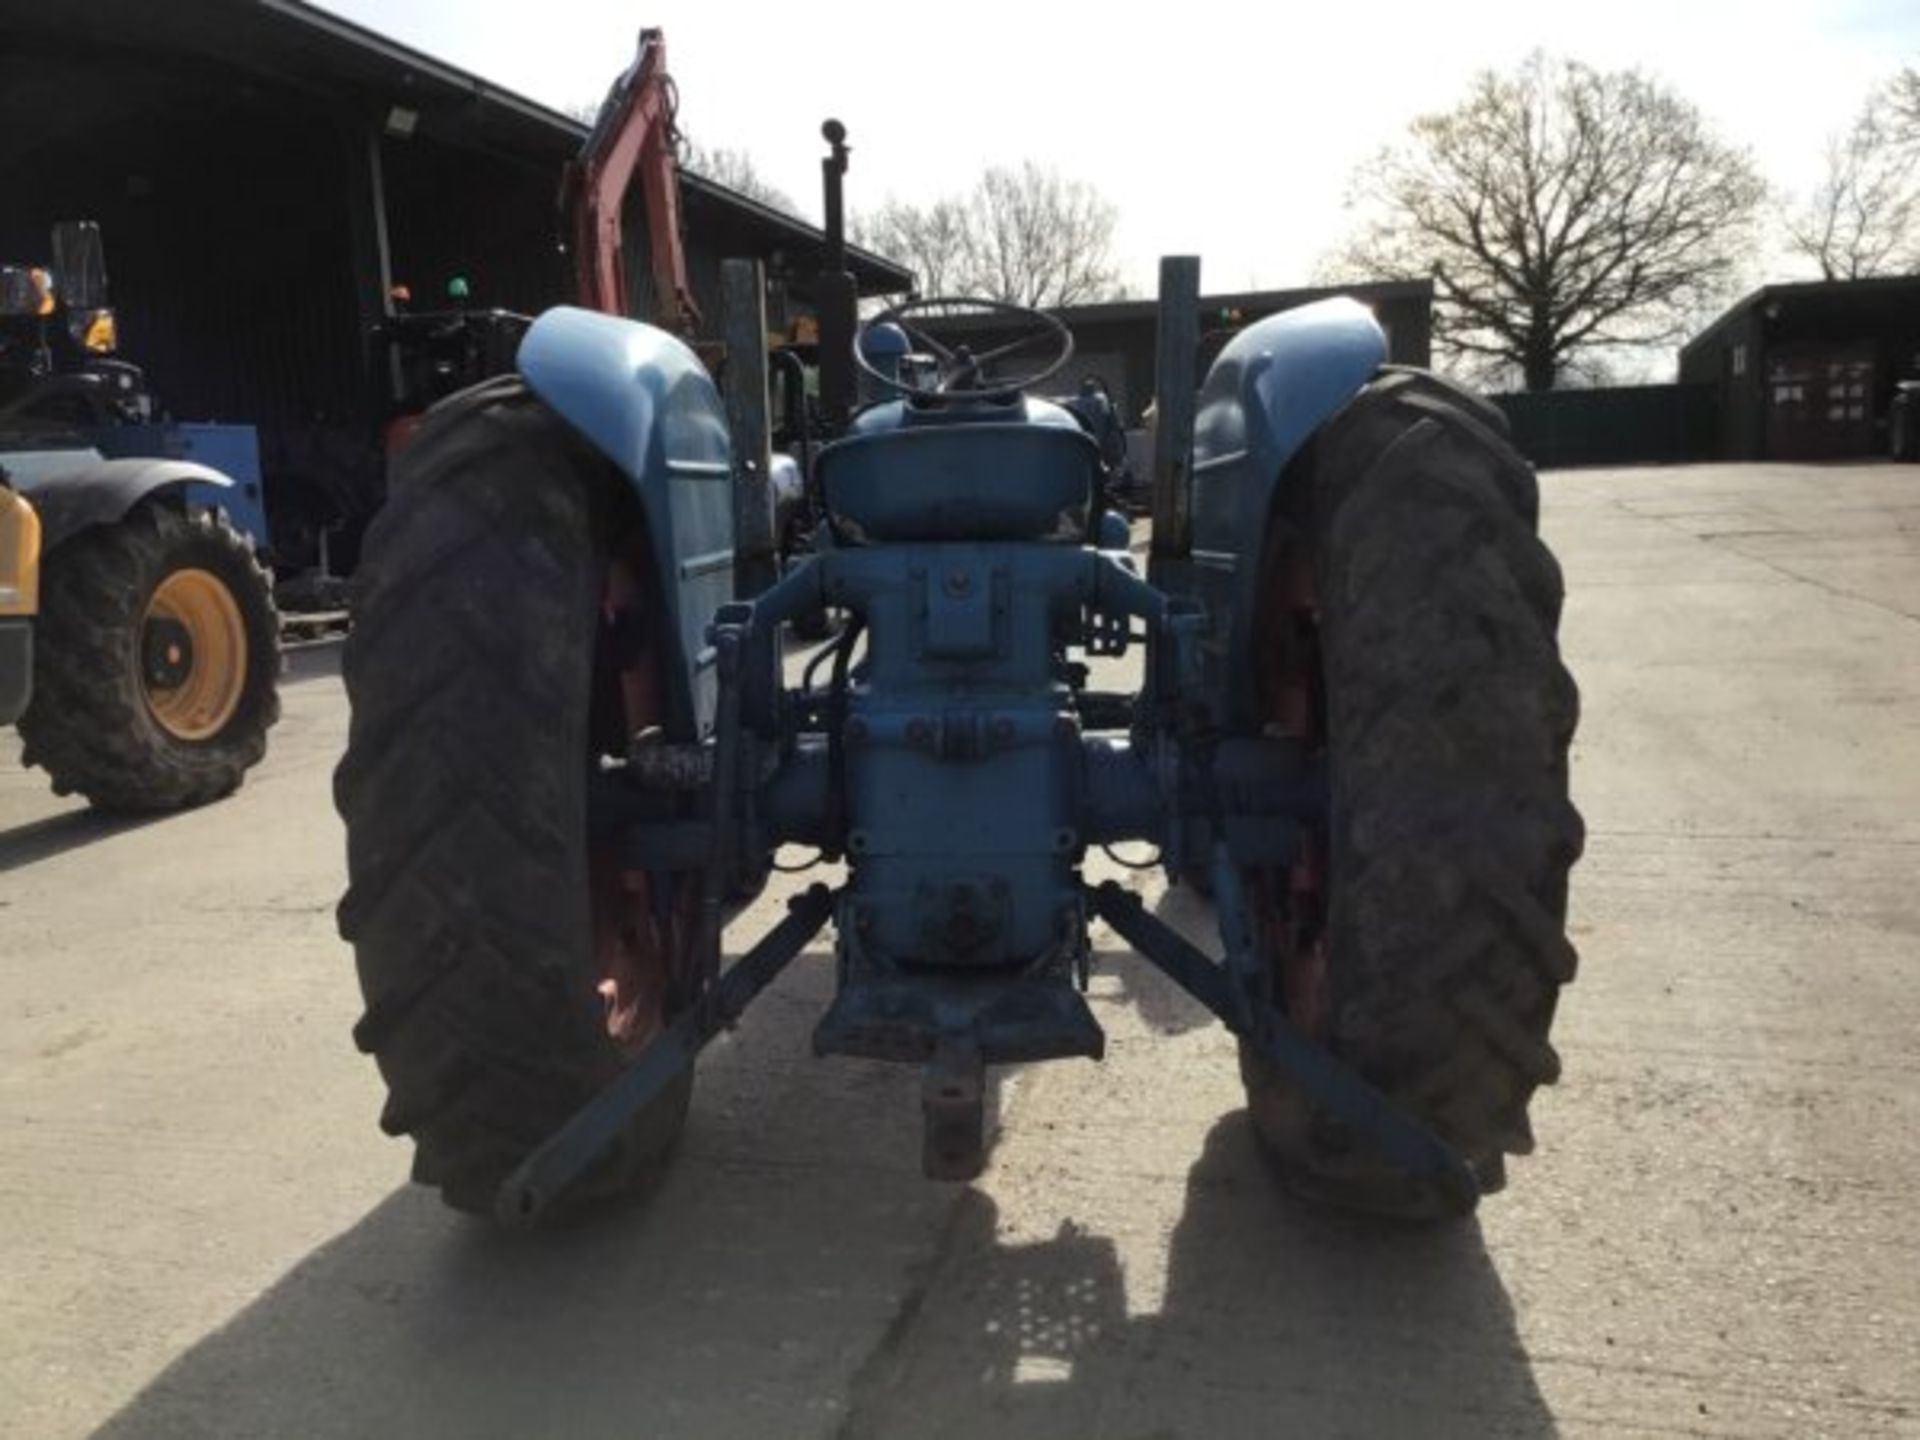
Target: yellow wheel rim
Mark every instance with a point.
(193, 654)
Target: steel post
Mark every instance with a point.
(743, 320)
(1175, 385)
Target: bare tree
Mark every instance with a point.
(735, 169)
(1559, 210)
(1903, 102)
(1863, 218)
(930, 240)
(1026, 236)
(1039, 239)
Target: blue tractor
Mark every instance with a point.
(139, 644)
(575, 749)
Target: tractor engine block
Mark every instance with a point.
(961, 754)
(965, 784)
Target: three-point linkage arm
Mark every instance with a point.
(633, 136)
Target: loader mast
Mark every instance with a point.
(633, 137)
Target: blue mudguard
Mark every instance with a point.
(1270, 389)
(644, 400)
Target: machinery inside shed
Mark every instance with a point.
(264, 174)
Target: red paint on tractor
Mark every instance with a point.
(637, 944)
(1292, 925)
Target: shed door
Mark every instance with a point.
(1819, 401)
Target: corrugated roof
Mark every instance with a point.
(323, 56)
(1871, 288)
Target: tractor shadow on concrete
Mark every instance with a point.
(795, 1277)
(1273, 1320)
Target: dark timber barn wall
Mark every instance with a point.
(1616, 425)
(246, 161)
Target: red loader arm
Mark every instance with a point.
(634, 135)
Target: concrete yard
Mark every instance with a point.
(204, 1233)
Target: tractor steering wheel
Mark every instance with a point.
(960, 368)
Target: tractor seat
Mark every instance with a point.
(1005, 471)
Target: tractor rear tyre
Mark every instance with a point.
(1415, 608)
(508, 970)
(155, 663)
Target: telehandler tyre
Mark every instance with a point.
(155, 664)
(1407, 624)
(504, 639)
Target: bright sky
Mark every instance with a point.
(1218, 129)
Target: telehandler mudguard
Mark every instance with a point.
(1270, 389)
(75, 489)
(643, 399)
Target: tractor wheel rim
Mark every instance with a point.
(200, 683)
(642, 939)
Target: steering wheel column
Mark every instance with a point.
(881, 352)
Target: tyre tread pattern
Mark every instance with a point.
(88, 724)
(1452, 833)
(463, 790)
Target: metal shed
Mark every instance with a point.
(264, 170)
(1807, 371)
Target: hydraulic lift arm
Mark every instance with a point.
(633, 136)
